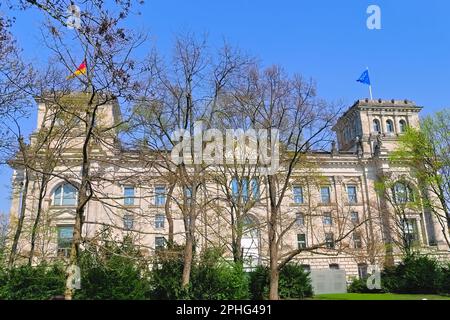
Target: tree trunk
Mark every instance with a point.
(274, 280)
(169, 215)
(84, 195)
(188, 255)
(273, 256)
(273, 245)
(23, 205)
(42, 191)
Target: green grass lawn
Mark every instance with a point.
(378, 296)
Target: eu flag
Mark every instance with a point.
(364, 78)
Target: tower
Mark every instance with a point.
(372, 127)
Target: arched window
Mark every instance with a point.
(376, 125)
(389, 126)
(65, 195)
(403, 193)
(402, 126)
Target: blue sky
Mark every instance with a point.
(409, 58)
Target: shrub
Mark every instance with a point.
(415, 274)
(360, 286)
(445, 279)
(113, 274)
(165, 280)
(41, 282)
(259, 283)
(294, 282)
(215, 279)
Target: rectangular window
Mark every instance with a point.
(354, 216)
(160, 195)
(159, 220)
(329, 240)
(128, 222)
(188, 195)
(235, 188)
(362, 270)
(128, 196)
(255, 189)
(298, 194)
(357, 242)
(160, 243)
(65, 238)
(327, 219)
(299, 219)
(187, 222)
(301, 241)
(334, 266)
(410, 231)
(352, 196)
(246, 189)
(325, 194)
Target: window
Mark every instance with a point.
(65, 237)
(187, 221)
(255, 189)
(298, 194)
(160, 243)
(65, 195)
(362, 270)
(402, 193)
(329, 240)
(410, 231)
(188, 195)
(160, 195)
(354, 216)
(352, 196)
(299, 219)
(402, 126)
(327, 219)
(159, 220)
(128, 196)
(357, 242)
(128, 222)
(389, 126)
(301, 241)
(245, 189)
(325, 194)
(334, 266)
(376, 125)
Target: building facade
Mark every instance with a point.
(334, 206)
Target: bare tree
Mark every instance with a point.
(107, 48)
(272, 100)
(176, 99)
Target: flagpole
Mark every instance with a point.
(370, 86)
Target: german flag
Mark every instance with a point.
(80, 70)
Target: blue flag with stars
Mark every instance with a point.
(364, 78)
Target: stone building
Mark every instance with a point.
(131, 197)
